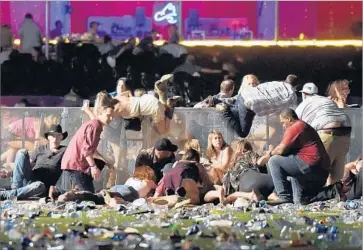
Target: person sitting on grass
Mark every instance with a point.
(244, 179)
(35, 172)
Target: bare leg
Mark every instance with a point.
(222, 195)
(116, 152)
(111, 177)
(4, 156)
(162, 127)
(253, 195)
(329, 181)
(10, 155)
(192, 191)
(272, 197)
(213, 194)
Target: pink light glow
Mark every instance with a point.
(315, 19)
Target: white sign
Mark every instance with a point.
(167, 14)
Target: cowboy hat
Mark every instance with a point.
(56, 129)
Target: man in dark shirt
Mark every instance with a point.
(34, 174)
(158, 156)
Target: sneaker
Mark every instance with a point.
(161, 87)
(3, 195)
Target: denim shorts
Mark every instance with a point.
(127, 193)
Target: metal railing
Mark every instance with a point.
(187, 123)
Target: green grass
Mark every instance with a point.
(63, 224)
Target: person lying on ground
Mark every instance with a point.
(140, 185)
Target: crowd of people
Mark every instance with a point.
(307, 165)
(94, 63)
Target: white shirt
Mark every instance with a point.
(135, 183)
(30, 35)
(318, 111)
(269, 98)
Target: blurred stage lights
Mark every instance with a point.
(263, 43)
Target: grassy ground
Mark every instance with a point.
(111, 218)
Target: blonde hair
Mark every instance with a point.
(50, 120)
(240, 147)
(139, 92)
(248, 80)
(144, 173)
(211, 151)
(338, 87)
(104, 100)
(192, 144)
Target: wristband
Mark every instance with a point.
(94, 166)
(270, 154)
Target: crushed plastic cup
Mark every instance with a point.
(160, 208)
(71, 207)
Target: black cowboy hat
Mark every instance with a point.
(165, 144)
(56, 129)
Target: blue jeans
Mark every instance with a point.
(36, 188)
(305, 180)
(126, 192)
(82, 181)
(239, 117)
(22, 173)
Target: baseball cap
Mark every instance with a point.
(309, 88)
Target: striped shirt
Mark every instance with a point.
(270, 98)
(318, 111)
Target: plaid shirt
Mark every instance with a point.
(270, 98)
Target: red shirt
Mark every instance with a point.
(301, 139)
(84, 143)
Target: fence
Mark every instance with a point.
(187, 123)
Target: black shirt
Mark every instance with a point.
(47, 168)
(147, 158)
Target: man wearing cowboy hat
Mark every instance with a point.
(33, 174)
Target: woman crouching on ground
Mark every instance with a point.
(244, 179)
